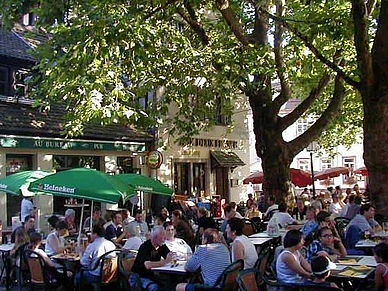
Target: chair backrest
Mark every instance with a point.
(340, 224)
(36, 266)
(126, 261)
(352, 236)
(228, 278)
(247, 280)
(21, 256)
(263, 263)
(109, 266)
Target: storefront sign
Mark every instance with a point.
(155, 159)
(69, 144)
(213, 143)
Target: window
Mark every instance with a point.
(349, 162)
(19, 83)
(303, 124)
(304, 164)
(189, 178)
(125, 165)
(325, 164)
(147, 99)
(4, 85)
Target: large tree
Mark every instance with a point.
(103, 56)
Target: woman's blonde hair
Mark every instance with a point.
(211, 235)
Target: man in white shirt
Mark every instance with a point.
(93, 253)
(273, 207)
(26, 208)
(138, 223)
(335, 207)
(282, 217)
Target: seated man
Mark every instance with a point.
(365, 220)
(98, 247)
(114, 230)
(140, 225)
(152, 253)
(326, 245)
(29, 226)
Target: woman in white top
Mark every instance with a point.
(291, 267)
(55, 242)
(176, 245)
(242, 247)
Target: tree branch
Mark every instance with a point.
(371, 4)
(191, 18)
(233, 23)
(292, 117)
(361, 38)
(313, 49)
(279, 58)
(160, 8)
(323, 121)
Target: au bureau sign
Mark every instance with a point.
(69, 144)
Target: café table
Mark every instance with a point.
(71, 261)
(172, 274)
(5, 249)
(358, 261)
(178, 268)
(259, 241)
(381, 233)
(367, 243)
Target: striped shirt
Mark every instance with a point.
(213, 260)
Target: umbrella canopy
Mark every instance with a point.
(16, 183)
(84, 183)
(299, 178)
(331, 173)
(145, 184)
(363, 171)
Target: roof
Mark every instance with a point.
(13, 45)
(23, 119)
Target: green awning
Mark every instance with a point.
(225, 159)
(145, 184)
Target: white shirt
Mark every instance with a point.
(25, 209)
(271, 208)
(335, 208)
(180, 247)
(250, 253)
(133, 243)
(93, 253)
(51, 239)
(283, 218)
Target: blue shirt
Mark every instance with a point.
(308, 227)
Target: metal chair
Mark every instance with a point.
(22, 271)
(247, 280)
(227, 280)
(340, 224)
(126, 261)
(109, 263)
(43, 275)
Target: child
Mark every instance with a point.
(381, 273)
(321, 267)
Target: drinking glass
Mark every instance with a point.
(8, 239)
(367, 234)
(385, 226)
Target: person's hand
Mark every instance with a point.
(170, 256)
(337, 239)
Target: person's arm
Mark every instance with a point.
(306, 265)
(340, 247)
(379, 278)
(238, 250)
(86, 259)
(162, 262)
(293, 264)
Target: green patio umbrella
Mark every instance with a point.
(16, 183)
(145, 184)
(82, 183)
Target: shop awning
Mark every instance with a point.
(225, 159)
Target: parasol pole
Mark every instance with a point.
(91, 216)
(80, 224)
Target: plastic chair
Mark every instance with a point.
(250, 227)
(247, 280)
(227, 280)
(263, 265)
(109, 263)
(340, 224)
(43, 275)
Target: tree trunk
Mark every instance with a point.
(374, 93)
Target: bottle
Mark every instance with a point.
(273, 228)
(137, 230)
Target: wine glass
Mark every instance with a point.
(367, 234)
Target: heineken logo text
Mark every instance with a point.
(56, 188)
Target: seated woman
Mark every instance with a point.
(311, 223)
(212, 257)
(133, 242)
(55, 242)
(183, 229)
(176, 245)
(291, 267)
(55, 269)
(326, 245)
(242, 247)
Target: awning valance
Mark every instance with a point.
(225, 159)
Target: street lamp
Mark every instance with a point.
(311, 148)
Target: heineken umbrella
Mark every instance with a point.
(82, 183)
(145, 184)
(17, 184)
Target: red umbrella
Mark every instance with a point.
(331, 173)
(299, 178)
(363, 171)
